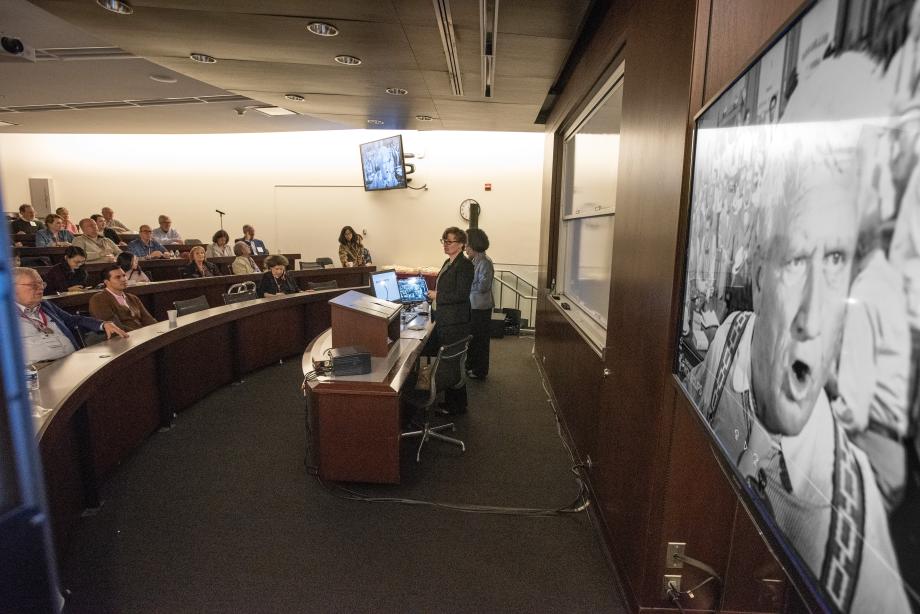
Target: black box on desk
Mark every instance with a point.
(351, 360)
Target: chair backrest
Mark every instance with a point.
(306, 265)
(199, 303)
(193, 242)
(322, 285)
(324, 261)
(448, 369)
(237, 293)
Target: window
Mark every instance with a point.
(590, 158)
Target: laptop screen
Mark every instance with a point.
(384, 285)
(413, 290)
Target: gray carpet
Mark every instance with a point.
(219, 515)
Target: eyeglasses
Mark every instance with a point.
(446, 242)
(36, 285)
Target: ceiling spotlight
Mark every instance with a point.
(274, 111)
(375, 122)
(116, 6)
(321, 28)
(203, 58)
(424, 118)
(164, 78)
(397, 91)
(294, 97)
(347, 60)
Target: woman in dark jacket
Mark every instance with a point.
(276, 281)
(68, 275)
(199, 265)
(451, 307)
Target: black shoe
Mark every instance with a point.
(472, 375)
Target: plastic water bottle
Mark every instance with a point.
(32, 382)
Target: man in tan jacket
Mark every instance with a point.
(114, 304)
(97, 247)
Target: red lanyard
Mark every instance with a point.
(43, 327)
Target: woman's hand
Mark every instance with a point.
(433, 295)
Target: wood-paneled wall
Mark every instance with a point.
(654, 476)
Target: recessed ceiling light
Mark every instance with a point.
(294, 97)
(5, 124)
(424, 118)
(321, 28)
(164, 78)
(397, 91)
(203, 58)
(347, 60)
(274, 111)
(375, 122)
(116, 6)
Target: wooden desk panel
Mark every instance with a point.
(195, 367)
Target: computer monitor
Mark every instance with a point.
(384, 285)
(413, 290)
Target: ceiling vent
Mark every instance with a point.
(68, 54)
(488, 31)
(449, 42)
(120, 104)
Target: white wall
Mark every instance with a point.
(189, 176)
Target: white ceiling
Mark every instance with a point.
(264, 51)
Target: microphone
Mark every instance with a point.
(219, 211)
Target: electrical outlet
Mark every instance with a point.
(674, 548)
(667, 583)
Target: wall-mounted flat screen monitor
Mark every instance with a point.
(382, 164)
(799, 339)
(385, 286)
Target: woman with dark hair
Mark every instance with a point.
(132, 268)
(351, 252)
(220, 246)
(481, 303)
(451, 306)
(276, 281)
(199, 266)
(67, 276)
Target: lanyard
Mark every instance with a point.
(40, 323)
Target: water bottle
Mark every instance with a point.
(32, 382)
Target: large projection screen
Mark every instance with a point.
(799, 340)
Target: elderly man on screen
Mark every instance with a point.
(97, 247)
(48, 332)
(114, 304)
(762, 383)
(165, 233)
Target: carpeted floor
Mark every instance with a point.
(219, 515)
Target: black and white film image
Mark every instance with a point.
(800, 333)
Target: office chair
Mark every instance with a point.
(306, 265)
(447, 370)
(237, 293)
(199, 303)
(322, 285)
(324, 262)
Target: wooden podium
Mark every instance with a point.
(360, 319)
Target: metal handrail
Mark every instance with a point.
(518, 295)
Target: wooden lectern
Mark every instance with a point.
(360, 319)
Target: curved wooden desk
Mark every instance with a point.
(108, 398)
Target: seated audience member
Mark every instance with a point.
(69, 226)
(107, 232)
(111, 222)
(145, 246)
(53, 234)
(48, 332)
(67, 276)
(351, 253)
(165, 233)
(113, 303)
(220, 246)
(97, 248)
(244, 264)
(276, 281)
(25, 224)
(199, 266)
(256, 246)
(130, 265)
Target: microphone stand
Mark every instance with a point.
(221, 214)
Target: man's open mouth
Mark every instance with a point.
(799, 380)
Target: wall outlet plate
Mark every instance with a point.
(674, 548)
(667, 582)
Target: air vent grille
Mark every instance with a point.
(67, 54)
(117, 104)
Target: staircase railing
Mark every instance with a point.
(518, 289)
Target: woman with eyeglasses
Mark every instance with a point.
(451, 305)
(67, 276)
(481, 303)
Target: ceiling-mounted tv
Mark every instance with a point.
(382, 164)
(799, 340)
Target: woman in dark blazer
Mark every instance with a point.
(451, 312)
(276, 280)
(67, 275)
(199, 266)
